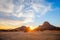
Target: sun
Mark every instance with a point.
(32, 28)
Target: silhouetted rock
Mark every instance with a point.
(27, 29)
(23, 28)
(4, 30)
(46, 26)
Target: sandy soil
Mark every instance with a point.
(45, 35)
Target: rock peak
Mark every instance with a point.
(46, 23)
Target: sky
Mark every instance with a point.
(15, 13)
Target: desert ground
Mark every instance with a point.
(40, 35)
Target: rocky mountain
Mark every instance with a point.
(46, 26)
(22, 28)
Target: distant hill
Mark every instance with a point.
(22, 28)
(46, 26)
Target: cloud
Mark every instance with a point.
(46, 9)
(26, 9)
(41, 8)
(29, 17)
(6, 6)
(10, 22)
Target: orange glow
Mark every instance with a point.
(32, 28)
(7, 27)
